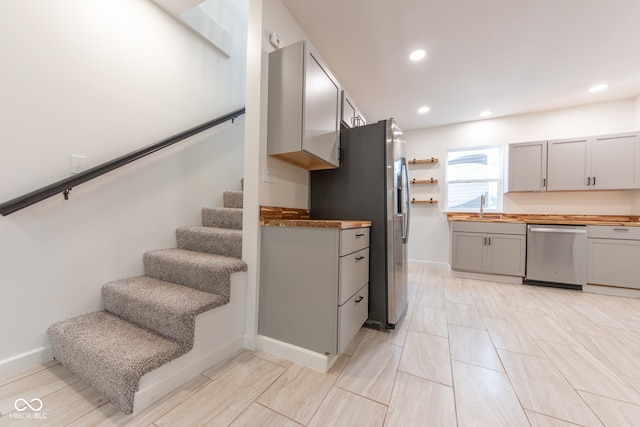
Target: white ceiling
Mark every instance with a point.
(508, 56)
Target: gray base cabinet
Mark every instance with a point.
(614, 254)
(314, 286)
(490, 248)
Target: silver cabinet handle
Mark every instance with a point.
(360, 298)
(620, 229)
(558, 230)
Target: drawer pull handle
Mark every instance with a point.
(359, 235)
(360, 258)
(620, 229)
(360, 298)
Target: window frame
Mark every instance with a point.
(499, 180)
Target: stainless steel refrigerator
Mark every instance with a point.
(372, 184)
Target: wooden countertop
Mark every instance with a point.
(317, 223)
(272, 216)
(620, 220)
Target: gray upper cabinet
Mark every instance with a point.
(609, 162)
(568, 164)
(304, 104)
(613, 162)
(351, 116)
(528, 166)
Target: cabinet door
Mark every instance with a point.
(614, 262)
(506, 254)
(613, 162)
(567, 167)
(321, 102)
(528, 166)
(348, 111)
(467, 251)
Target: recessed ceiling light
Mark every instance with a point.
(599, 87)
(417, 55)
(485, 113)
(423, 110)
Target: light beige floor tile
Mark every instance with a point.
(426, 297)
(419, 402)
(585, 372)
(427, 356)
(510, 335)
(596, 315)
(429, 321)
(572, 321)
(299, 392)
(371, 371)
(395, 336)
(258, 415)
(493, 308)
(226, 397)
(273, 358)
(630, 338)
(464, 315)
(615, 355)
(473, 346)
(111, 415)
(353, 345)
(544, 328)
(613, 412)
(541, 420)
(219, 368)
(541, 388)
(342, 408)
(461, 296)
(38, 383)
(485, 398)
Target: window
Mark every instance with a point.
(471, 173)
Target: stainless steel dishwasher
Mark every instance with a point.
(557, 255)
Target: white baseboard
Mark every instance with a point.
(491, 277)
(302, 356)
(22, 362)
(611, 290)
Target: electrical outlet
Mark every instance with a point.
(274, 39)
(77, 164)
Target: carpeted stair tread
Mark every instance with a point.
(111, 354)
(167, 308)
(221, 241)
(232, 199)
(206, 272)
(222, 218)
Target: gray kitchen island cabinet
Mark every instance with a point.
(313, 286)
(614, 255)
(490, 248)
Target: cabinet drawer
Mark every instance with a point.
(351, 317)
(353, 239)
(354, 274)
(613, 232)
(614, 263)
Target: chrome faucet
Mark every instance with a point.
(481, 205)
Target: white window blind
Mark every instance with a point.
(471, 173)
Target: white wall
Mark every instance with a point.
(429, 241)
(100, 79)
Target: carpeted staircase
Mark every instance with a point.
(149, 320)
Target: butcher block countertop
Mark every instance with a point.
(620, 220)
(272, 216)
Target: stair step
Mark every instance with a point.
(232, 199)
(111, 354)
(166, 308)
(206, 272)
(222, 218)
(221, 241)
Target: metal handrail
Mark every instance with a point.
(64, 186)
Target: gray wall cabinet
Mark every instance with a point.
(303, 119)
(314, 286)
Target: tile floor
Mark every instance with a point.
(468, 353)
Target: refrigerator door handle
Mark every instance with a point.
(404, 191)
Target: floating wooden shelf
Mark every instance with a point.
(430, 201)
(424, 181)
(431, 160)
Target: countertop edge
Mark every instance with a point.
(315, 223)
